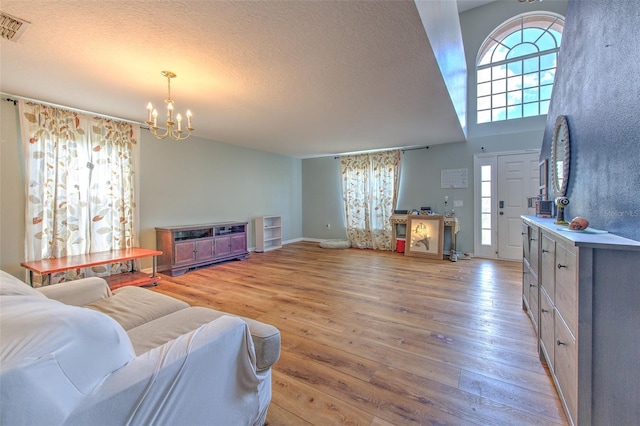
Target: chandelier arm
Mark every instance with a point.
(154, 132)
(170, 132)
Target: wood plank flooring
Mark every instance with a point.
(377, 338)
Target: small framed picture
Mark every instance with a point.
(425, 236)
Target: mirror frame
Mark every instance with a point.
(560, 132)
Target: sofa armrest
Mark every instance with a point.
(206, 376)
(266, 338)
(78, 292)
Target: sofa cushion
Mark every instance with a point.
(266, 338)
(11, 286)
(134, 306)
(87, 346)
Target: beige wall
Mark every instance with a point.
(181, 183)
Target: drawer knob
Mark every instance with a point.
(560, 343)
(543, 310)
(545, 251)
(560, 266)
(532, 285)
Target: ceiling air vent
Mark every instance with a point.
(12, 28)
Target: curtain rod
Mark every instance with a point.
(413, 149)
(14, 99)
(337, 157)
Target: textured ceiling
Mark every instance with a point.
(299, 78)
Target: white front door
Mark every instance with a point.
(502, 184)
(518, 178)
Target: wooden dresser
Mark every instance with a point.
(191, 246)
(582, 293)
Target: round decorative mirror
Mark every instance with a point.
(560, 156)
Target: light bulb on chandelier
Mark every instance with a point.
(152, 118)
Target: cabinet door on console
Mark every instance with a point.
(238, 243)
(204, 250)
(223, 246)
(184, 252)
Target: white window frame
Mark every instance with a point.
(490, 93)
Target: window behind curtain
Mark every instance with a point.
(370, 191)
(80, 178)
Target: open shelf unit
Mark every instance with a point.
(268, 233)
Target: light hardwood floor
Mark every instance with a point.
(377, 338)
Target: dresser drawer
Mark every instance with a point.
(566, 365)
(566, 290)
(531, 290)
(533, 249)
(547, 331)
(534, 291)
(533, 308)
(526, 271)
(525, 242)
(548, 265)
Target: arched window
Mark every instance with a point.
(516, 67)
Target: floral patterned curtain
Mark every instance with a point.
(80, 185)
(370, 191)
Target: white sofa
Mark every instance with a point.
(77, 353)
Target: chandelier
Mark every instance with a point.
(152, 119)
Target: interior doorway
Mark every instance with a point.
(502, 184)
